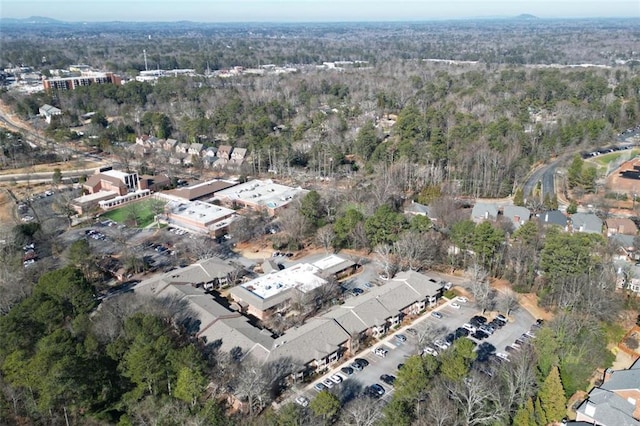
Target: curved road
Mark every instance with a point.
(546, 174)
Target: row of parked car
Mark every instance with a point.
(520, 342)
(478, 328)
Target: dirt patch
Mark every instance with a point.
(50, 167)
(7, 208)
(528, 301)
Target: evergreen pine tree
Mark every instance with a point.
(525, 416)
(552, 398)
(541, 418)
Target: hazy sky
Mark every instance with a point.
(310, 10)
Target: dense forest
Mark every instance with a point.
(397, 129)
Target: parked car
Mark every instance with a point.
(401, 338)
(328, 383)
(376, 390)
(501, 318)
(363, 362)
(495, 323)
(357, 291)
(388, 379)
(469, 327)
(302, 401)
(412, 331)
(347, 371)
(336, 379)
(381, 352)
(448, 285)
(503, 356)
(487, 329)
(436, 315)
(478, 320)
(462, 299)
(461, 332)
(455, 305)
(400, 366)
(356, 366)
(441, 344)
(480, 335)
(430, 351)
(319, 387)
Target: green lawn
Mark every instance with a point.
(604, 160)
(143, 211)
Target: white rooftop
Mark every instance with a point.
(116, 174)
(199, 211)
(301, 276)
(263, 192)
(328, 262)
(96, 196)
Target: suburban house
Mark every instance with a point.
(484, 211)
(48, 112)
(553, 217)
(621, 225)
(210, 151)
(517, 215)
(616, 402)
(417, 209)
(224, 152)
(260, 195)
(238, 155)
(626, 246)
(195, 149)
(586, 222)
(182, 148)
(170, 145)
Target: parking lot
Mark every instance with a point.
(519, 322)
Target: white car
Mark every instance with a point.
(302, 401)
(441, 344)
(381, 352)
(430, 351)
(336, 378)
(455, 305)
(328, 383)
(502, 355)
(462, 299)
(469, 327)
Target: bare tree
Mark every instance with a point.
(508, 300)
(325, 237)
(480, 287)
(427, 332)
(476, 400)
(518, 379)
(387, 260)
(362, 411)
(438, 410)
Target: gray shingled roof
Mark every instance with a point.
(425, 286)
(314, 340)
(608, 409)
(417, 208)
(516, 214)
(623, 380)
(553, 217)
(586, 222)
(487, 211)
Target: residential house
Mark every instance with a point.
(626, 246)
(484, 211)
(209, 152)
(182, 148)
(553, 217)
(616, 402)
(586, 222)
(170, 145)
(418, 209)
(48, 112)
(224, 152)
(238, 155)
(621, 225)
(195, 149)
(517, 215)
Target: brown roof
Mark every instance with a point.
(622, 225)
(97, 178)
(201, 190)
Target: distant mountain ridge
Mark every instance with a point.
(32, 20)
(526, 16)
